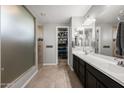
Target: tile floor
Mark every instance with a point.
(55, 76)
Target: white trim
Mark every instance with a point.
(24, 85)
(71, 68)
(57, 42)
(99, 46)
(49, 64)
(56, 45)
(36, 45)
(24, 79)
(68, 44)
(0, 64)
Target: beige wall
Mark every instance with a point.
(39, 34)
(39, 31)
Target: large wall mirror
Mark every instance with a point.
(100, 31)
(107, 29)
(108, 18)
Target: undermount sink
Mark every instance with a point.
(110, 65)
(103, 60)
(80, 52)
(115, 69)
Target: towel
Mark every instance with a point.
(122, 37)
(118, 41)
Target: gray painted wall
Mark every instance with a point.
(50, 39)
(106, 38)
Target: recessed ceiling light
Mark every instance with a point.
(43, 14)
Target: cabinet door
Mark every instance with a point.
(76, 69)
(90, 80)
(82, 68)
(74, 64)
(82, 73)
(100, 85)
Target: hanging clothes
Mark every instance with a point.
(120, 39)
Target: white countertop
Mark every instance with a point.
(105, 64)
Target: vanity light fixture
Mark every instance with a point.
(89, 21)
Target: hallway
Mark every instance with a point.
(53, 76)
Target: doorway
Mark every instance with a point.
(62, 45)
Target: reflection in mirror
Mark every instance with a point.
(88, 38)
(85, 36)
(108, 35)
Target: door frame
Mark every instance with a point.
(99, 37)
(57, 43)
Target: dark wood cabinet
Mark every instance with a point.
(100, 85)
(90, 77)
(104, 80)
(79, 68)
(82, 72)
(76, 64)
(90, 80)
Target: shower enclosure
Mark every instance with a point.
(17, 43)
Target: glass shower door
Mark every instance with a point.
(17, 43)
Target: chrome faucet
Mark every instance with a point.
(120, 62)
(85, 52)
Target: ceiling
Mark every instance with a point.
(57, 13)
(106, 13)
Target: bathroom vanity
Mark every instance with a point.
(97, 71)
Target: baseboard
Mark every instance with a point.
(49, 64)
(29, 79)
(24, 79)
